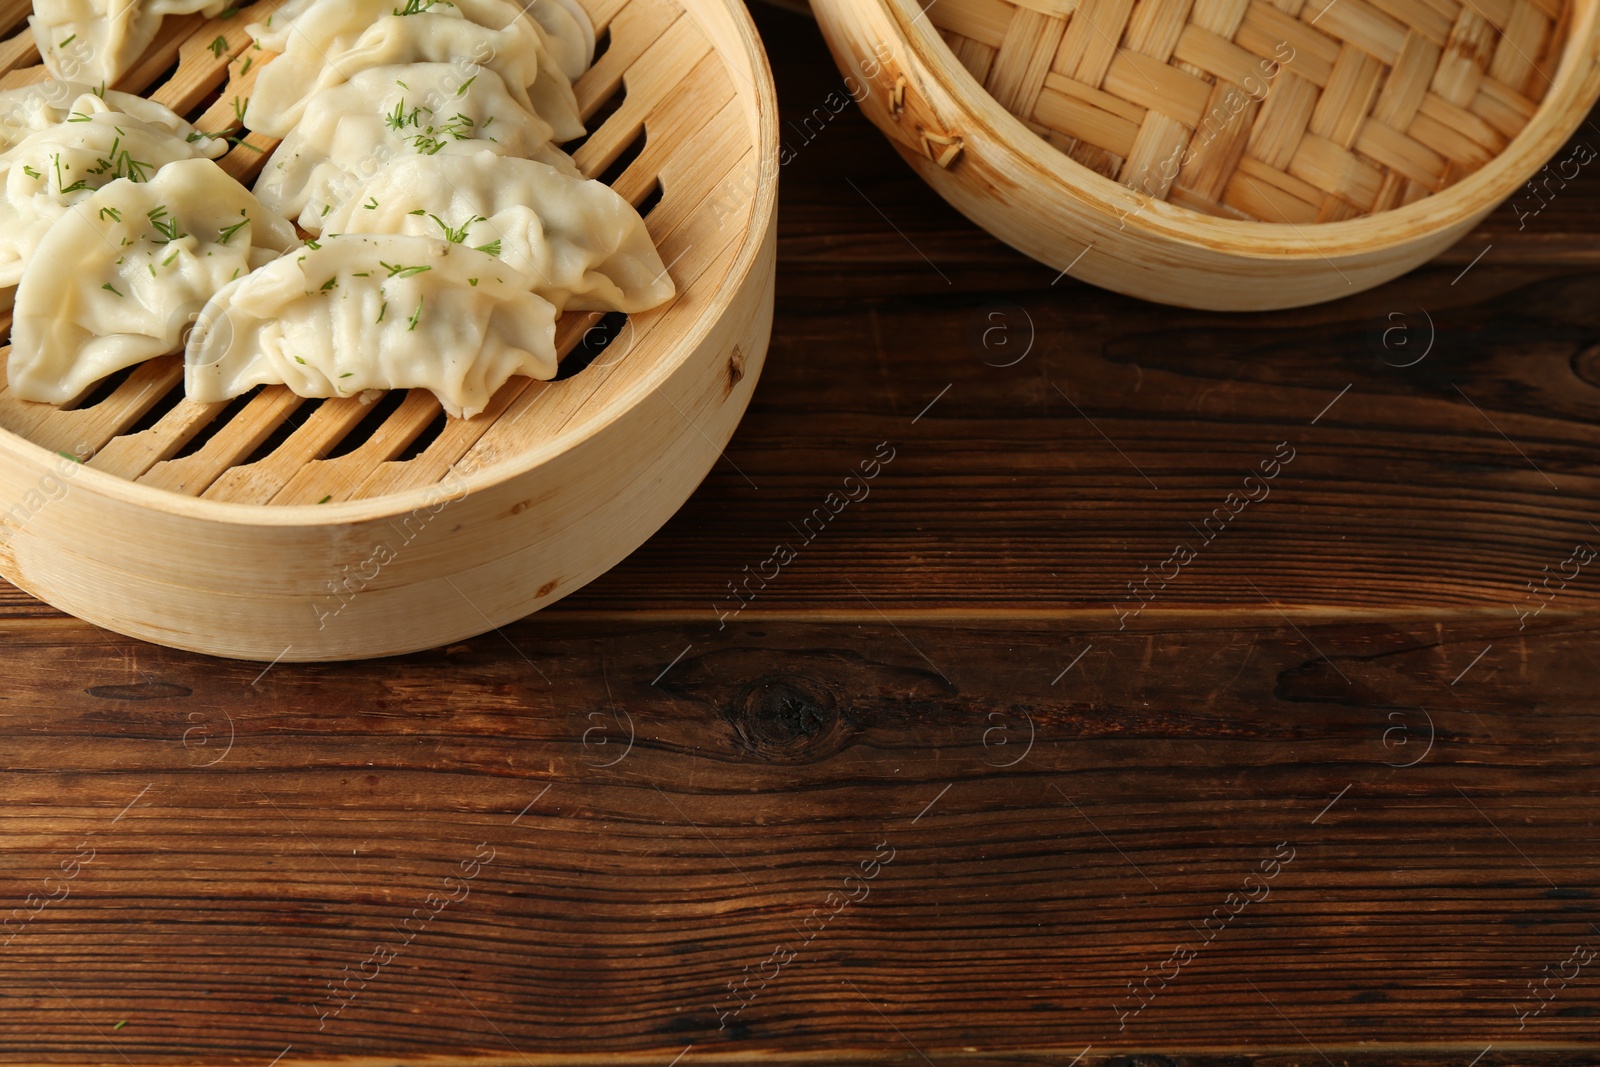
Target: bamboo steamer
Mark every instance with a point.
(280, 528)
(1225, 154)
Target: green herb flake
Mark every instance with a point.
(328, 286)
(373, 206)
(68, 41)
(78, 116)
(110, 288)
(226, 234)
(397, 271)
(69, 455)
(168, 228)
(472, 282)
(30, 172)
(384, 310)
(115, 215)
(416, 316)
(325, 499)
(493, 247)
(219, 46)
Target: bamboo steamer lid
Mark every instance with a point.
(1226, 154)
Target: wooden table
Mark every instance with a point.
(1130, 682)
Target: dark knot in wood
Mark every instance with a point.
(783, 719)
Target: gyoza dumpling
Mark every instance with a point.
(118, 280)
(47, 172)
(332, 42)
(31, 108)
(564, 24)
(98, 40)
(274, 34)
(584, 246)
(379, 312)
(569, 33)
(353, 130)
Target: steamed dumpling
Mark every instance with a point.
(31, 108)
(47, 172)
(583, 245)
(374, 312)
(331, 43)
(98, 40)
(117, 281)
(568, 32)
(354, 130)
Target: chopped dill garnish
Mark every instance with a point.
(167, 227)
(116, 216)
(218, 46)
(110, 288)
(459, 234)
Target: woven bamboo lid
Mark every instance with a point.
(1225, 154)
(1278, 110)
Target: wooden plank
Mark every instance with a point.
(1033, 846)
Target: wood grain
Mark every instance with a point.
(896, 669)
(1051, 835)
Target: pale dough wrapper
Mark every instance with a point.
(119, 278)
(374, 312)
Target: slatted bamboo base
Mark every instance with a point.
(1225, 154)
(678, 105)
